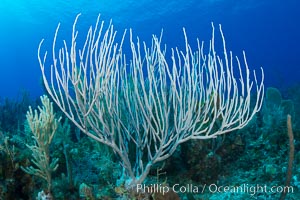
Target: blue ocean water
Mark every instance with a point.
(268, 30)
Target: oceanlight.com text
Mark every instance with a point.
(213, 188)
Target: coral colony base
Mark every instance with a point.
(143, 106)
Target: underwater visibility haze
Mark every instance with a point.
(156, 128)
